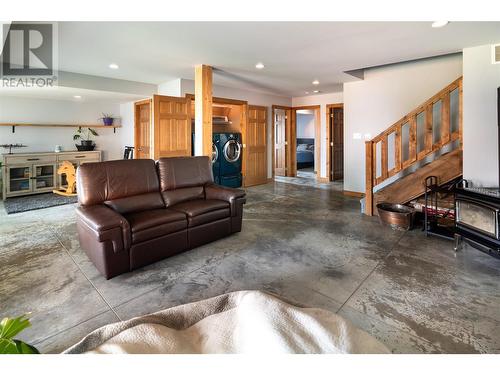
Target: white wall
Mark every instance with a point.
(31, 110)
(480, 128)
(252, 97)
(322, 101)
(384, 96)
(170, 88)
(305, 125)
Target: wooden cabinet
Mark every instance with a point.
(32, 173)
(255, 146)
(172, 126)
(163, 128)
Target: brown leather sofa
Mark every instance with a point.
(135, 212)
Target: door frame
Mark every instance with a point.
(273, 138)
(328, 140)
(317, 138)
(136, 122)
(291, 137)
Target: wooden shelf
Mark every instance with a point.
(14, 125)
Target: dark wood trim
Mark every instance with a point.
(219, 100)
(353, 194)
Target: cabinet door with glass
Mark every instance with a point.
(44, 177)
(18, 179)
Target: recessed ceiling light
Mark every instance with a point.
(259, 65)
(437, 24)
(113, 66)
(316, 91)
(315, 82)
(307, 92)
(77, 96)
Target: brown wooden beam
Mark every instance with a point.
(445, 118)
(369, 178)
(203, 110)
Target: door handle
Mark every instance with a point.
(331, 144)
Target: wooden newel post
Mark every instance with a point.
(369, 178)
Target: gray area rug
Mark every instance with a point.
(35, 202)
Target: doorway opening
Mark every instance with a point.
(305, 143)
(335, 142)
(296, 140)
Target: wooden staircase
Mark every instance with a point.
(427, 132)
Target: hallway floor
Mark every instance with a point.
(305, 243)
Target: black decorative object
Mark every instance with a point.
(86, 144)
(128, 153)
(10, 146)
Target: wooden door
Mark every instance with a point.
(255, 151)
(172, 126)
(280, 119)
(142, 130)
(337, 143)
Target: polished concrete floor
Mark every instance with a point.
(307, 244)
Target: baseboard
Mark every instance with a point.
(353, 194)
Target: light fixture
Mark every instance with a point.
(259, 65)
(77, 96)
(307, 92)
(316, 91)
(315, 82)
(113, 66)
(437, 24)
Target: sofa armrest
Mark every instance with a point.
(106, 225)
(230, 195)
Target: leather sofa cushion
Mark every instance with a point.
(110, 180)
(200, 206)
(173, 197)
(150, 224)
(208, 217)
(135, 203)
(202, 211)
(183, 172)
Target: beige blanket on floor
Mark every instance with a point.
(239, 322)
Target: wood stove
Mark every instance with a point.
(477, 218)
(477, 211)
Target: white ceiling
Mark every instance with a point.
(294, 53)
(69, 93)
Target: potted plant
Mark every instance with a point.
(9, 328)
(107, 119)
(85, 137)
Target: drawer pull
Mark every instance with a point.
(33, 159)
(79, 157)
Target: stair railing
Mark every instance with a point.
(426, 129)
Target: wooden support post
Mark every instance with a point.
(397, 150)
(428, 129)
(460, 111)
(412, 142)
(369, 178)
(445, 118)
(203, 110)
(384, 157)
